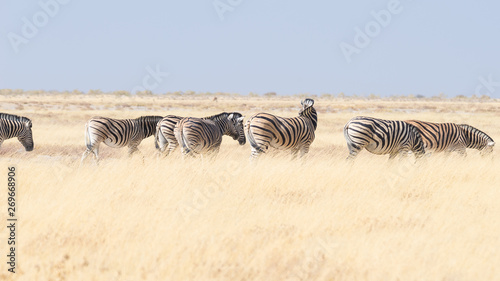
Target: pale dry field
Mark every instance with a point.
(319, 218)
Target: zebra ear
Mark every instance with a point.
(491, 143)
(307, 103)
(230, 117)
(240, 119)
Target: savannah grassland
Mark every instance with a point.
(319, 218)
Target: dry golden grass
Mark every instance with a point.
(320, 218)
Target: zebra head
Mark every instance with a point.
(25, 135)
(477, 139)
(308, 111)
(236, 127)
(488, 149)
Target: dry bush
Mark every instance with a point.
(319, 218)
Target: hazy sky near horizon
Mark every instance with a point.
(240, 46)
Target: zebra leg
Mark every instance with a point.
(95, 153)
(257, 151)
(461, 149)
(258, 148)
(172, 146)
(85, 154)
(303, 151)
(132, 149)
(402, 153)
(462, 152)
(213, 154)
(186, 152)
(353, 151)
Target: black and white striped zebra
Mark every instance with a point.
(165, 141)
(117, 133)
(204, 135)
(380, 136)
(450, 137)
(12, 126)
(266, 130)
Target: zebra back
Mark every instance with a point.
(440, 136)
(12, 117)
(119, 132)
(474, 138)
(381, 136)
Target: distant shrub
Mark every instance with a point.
(145, 93)
(95, 92)
(460, 97)
(327, 96)
(121, 93)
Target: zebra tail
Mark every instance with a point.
(347, 137)
(251, 139)
(159, 135)
(184, 143)
(156, 142)
(88, 142)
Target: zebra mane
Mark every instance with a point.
(476, 131)
(12, 117)
(150, 118)
(308, 111)
(223, 115)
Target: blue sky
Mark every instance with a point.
(242, 46)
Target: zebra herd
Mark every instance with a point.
(264, 130)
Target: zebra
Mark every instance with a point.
(165, 141)
(117, 133)
(266, 130)
(164, 136)
(204, 135)
(450, 137)
(16, 126)
(380, 137)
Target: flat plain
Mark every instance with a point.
(318, 218)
